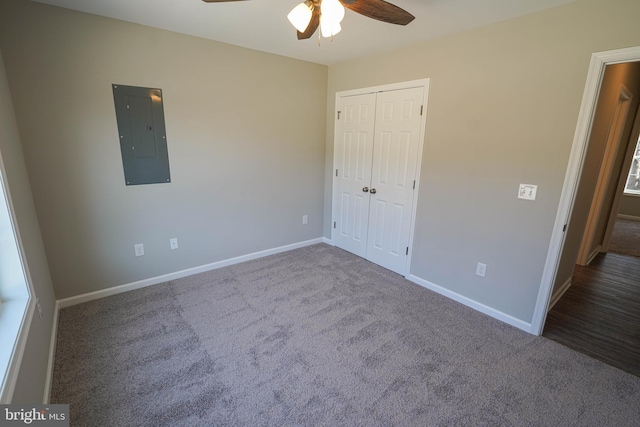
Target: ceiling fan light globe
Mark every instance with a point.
(329, 28)
(300, 16)
(333, 10)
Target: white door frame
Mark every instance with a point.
(599, 61)
(424, 83)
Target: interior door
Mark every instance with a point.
(395, 159)
(353, 156)
(376, 162)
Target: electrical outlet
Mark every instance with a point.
(481, 269)
(139, 249)
(173, 243)
(305, 219)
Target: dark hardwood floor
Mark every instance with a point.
(600, 313)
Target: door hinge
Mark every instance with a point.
(339, 114)
(414, 184)
(334, 224)
(421, 109)
(564, 228)
(336, 172)
(407, 252)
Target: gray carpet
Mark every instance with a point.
(319, 337)
(625, 238)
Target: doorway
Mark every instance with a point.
(598, 310)
(379, 134)
(561, 240)
(593, 240)
(598, 305)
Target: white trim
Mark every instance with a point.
(489, 311)
(576, 159)
(422, 83)
(593, 254)
(631, 217)
(556, 296)
(631, 194)
(414, 213)
(90, 296)
(52, 354)
(384, 88)
(327, 241)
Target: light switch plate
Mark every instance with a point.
(139, 249)
(527, 191)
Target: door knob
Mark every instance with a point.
(373, 191)
(365, 189)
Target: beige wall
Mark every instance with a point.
(503, 108)
(629, 205)
(31, 378)
(246, 140)
(615, 75)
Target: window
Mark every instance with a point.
(16, 304)
(633, 180)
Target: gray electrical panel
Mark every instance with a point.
(143, 139)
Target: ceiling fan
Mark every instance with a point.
(327, 14)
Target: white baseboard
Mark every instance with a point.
(327, 241)
(52, 352)
(489, 311)
(90, 296)
(631, 217)
(593, 254)
(558, 294)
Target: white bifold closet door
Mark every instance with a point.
(376, 159)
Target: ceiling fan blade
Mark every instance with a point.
(380, 10)
(312, 27)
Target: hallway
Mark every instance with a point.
(599, 315)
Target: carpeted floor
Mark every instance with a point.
(319, 337)
(625, 238)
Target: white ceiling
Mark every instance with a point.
(263, 24)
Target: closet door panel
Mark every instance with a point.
(354, 153)
(394, 168)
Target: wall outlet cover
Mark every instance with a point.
(527, 191)
(481, 269)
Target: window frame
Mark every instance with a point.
(17, 299)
